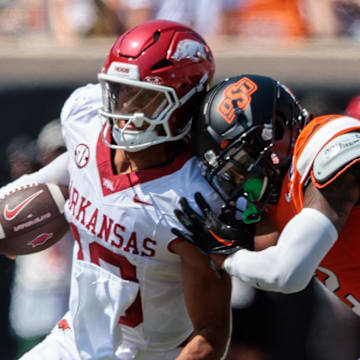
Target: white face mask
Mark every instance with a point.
(132, 140)
(145, 102)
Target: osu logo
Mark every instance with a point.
(237, 95)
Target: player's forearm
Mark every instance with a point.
(206, 344)
(56, 172)
(288, 266)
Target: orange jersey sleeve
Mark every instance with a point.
(340, 269)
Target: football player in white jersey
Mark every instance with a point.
(137, 291)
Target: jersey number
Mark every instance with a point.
(133, 315)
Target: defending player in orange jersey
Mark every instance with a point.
(272, 162)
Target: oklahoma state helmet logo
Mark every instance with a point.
(236, 95)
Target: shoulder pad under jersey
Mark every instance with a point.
(86, 98)
(335, 155)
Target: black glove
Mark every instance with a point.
(208, 233)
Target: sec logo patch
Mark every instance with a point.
(82, 155)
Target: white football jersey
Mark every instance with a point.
(126, 292)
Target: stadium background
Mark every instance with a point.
(36, 78)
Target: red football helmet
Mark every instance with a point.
(152, 81)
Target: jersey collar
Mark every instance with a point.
(112, 183)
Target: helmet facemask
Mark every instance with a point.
(246, 130)
(138, 111)
(238, 173)
(134, 110)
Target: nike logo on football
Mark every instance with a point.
(221, 240)
(10, 214)
(137, 200)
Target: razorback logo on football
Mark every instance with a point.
(11, 214)
(40, 239)
(236, 95)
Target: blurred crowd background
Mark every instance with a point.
(68, 20)
(49, 47)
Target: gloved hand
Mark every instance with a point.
(208, 233)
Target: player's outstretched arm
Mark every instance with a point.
(336, 200)
(289, 266)
(208, 302)
(303, 243)
(56, 172)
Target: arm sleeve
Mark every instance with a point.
(288, 266)
(55, 172)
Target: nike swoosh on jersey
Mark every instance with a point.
(288, 195)
(137, 200)
(10, 214)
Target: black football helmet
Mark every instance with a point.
(244, 137)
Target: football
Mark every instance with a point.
(32, 218)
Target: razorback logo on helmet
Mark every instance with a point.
(236, 95)
(189, 49)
